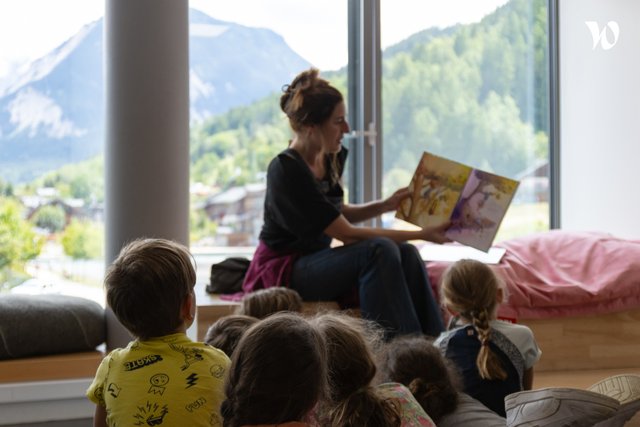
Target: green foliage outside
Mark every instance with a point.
(6, 189)
(236, 148)
(83, 180)
(475, 93)
(18, 241)
(200, 226)
(51, 218)
(83, 240)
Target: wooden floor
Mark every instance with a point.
(580, 351)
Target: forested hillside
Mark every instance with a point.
(469, 92)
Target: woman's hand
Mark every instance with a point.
(392, 202)
(436, 234)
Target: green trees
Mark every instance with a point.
(51, 218)
(83, 240)
(476, 93)
(18, 241)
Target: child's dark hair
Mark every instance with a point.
(277, 373)
(263, 302)
(470, 288)
(433, 380)
(353, 400)
(148, 284)
(225, 333)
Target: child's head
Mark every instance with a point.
(351, 365)
(277, 373)
(415, 362)
(470, 289)
(150, 287)
(263, 302)
(225, 333)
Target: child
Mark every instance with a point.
(277, 374)
(263, 302)
(225, 333)
(162, 377)
(495, 358)
(353, 399)
(433, 380)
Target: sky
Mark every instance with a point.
(317, 30)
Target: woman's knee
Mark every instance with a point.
(409, 251)
(383, 247)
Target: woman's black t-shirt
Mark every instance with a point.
(298, 207)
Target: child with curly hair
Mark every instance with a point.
(433, 380)
(354, 398)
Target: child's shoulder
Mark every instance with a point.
(510, 327)
(412, 413)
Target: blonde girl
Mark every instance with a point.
(494, 357)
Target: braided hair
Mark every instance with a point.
(471, 288)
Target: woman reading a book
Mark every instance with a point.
(304, 211)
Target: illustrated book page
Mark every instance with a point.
(474, 201)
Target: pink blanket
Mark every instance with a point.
(560, 273)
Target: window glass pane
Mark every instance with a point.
(242, 53)
(51, 142)
(468, 80)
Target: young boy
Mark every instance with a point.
(162, 377)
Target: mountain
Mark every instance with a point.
(53, 113)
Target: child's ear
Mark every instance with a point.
(500, 296)
(188, 309)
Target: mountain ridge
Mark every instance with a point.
(53, 112)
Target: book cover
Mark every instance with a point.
(475, 201)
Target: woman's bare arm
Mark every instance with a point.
(362, 212)
(343, 230)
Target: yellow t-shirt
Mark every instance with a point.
(166, 381)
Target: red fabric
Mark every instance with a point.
(561, 273)
(268, 268)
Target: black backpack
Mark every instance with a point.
(227, 276)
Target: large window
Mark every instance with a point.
(51, 142)
(468, 80)
(242, 53)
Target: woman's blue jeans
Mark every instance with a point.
(391, 278)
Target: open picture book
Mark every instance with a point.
(473, 200)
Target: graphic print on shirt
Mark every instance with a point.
(217, 371)
(114, 390)
(191, 355)
(196, 404)
(192, 380)
(151, 414)
(158, 384)
(98, 393)
(149, 359)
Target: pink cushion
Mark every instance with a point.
(560, 273)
